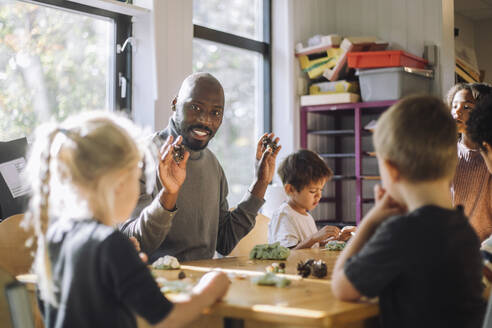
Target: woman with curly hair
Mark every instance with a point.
(472, 184)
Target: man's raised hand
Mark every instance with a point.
(172, 174)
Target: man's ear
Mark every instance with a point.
(392, 170)
(173, 104)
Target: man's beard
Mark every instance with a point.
(195, 144)
(192, 143)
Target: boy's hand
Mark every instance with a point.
(346, 233)
(213, 283)
(171, 174)
(385, 206)
(327, 232)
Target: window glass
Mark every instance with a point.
(238, 71)
(53, 63)
(239, 17)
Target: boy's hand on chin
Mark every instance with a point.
(385, 206)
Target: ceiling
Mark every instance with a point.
(474, 9)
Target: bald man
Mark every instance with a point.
(187, 215)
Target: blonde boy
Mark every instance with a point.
(413, 249)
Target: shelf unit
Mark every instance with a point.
(338, 155)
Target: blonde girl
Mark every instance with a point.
(84, 177)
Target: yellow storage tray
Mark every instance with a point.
(333, 87)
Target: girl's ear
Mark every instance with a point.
(392, 170)
(119, 184)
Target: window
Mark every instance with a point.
(46, 72)
(231, 41)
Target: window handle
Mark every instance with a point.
(122, 84)
(131, 40)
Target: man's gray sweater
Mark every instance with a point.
(202, 222)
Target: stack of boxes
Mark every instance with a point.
(384, 75)
(390, 75)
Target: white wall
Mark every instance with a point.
(292, 22)
(163, 59)
(483, 47)
(476, 35)
(467, 30)
(406, 24)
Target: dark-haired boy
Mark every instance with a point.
(304, 175)
(413, 249)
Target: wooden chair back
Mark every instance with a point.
(5, 279)
(16, 306)
(15, 257)
(257, 235)
(487, 323)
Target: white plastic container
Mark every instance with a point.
(393, 83)
(334, 98)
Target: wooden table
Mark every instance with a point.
(245, 265)
(305, 303)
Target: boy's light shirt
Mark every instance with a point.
(487, 245)
(289, 227)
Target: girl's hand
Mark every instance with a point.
(213, 283)
(135, 243)
(142, 255)
(171, 174)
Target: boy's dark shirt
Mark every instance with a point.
(100, 278)
(425, 267)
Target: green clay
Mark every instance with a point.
(271, 279)
(269, 252)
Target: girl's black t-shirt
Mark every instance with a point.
(426, 268)
(100, 279)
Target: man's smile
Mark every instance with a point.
(200, 133)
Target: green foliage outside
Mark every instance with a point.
(53, 63)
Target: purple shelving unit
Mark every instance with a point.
(358, 109)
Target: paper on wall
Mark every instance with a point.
(11, 173)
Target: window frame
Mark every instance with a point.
(262, 47)
(122, 61)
